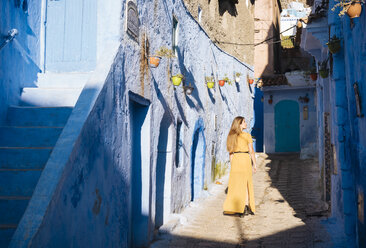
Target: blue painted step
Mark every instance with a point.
(29, 136)
(24, 158)
(37, 116)
(18, 182)
(14, 209)
(6, 232)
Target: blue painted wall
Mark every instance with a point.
(258, 127)
(91, 205)
(19, 60)
(308, 138)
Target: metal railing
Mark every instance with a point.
(11, 35)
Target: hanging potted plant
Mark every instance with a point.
(250, 80)
(210, 82)
(353, 8)
(177, 79)
(313, 74)
(222, 82)
(334, 45)
(237, 77)
(154, 61)
(188, 89)
(323, 69)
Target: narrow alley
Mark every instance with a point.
(290, 212)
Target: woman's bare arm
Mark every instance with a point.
(252, 154)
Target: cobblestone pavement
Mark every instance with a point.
(289, 212)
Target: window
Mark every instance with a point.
(179, 145)
(175, 36)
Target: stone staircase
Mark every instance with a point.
(27, 138)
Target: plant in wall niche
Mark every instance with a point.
(323, 69)
(353, 8)
(334, 45)
(177, 79)
(210, 82)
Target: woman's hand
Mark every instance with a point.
(254, 168)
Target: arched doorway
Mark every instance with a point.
(287, 126)
(197, 161)
(163, 171)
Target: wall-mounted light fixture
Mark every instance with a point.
(188, 89)
(358, 100)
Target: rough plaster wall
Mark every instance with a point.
(234, 25)
(308, 138)
(19, 60)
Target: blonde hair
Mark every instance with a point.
(235, 130)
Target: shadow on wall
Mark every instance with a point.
(18, 59)
(228, 6)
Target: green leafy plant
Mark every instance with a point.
(334, 44)
(237, 74)
(227, 80)
(165, 52)
(323, 68)
(209, 79)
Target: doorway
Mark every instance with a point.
(140, 171)
(287, 126)
(70, 35)
(164, 172)
(197, 163)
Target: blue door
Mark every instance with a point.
(71, 35)
(287, 126)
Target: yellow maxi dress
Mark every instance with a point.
(240, 179)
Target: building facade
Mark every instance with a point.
(133, 149)
(340, 116)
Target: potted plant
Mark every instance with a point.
(188, 89)
(210, 82)
(154, 60)
(227, 80)
(177, 79)
(313, 74)
(353, 8)
(250, 80)
(323, 69)
(165, 52)
(334, 45)
(237, 77)
(222, 82)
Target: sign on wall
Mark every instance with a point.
(132, 20)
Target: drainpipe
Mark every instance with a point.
(11, 35)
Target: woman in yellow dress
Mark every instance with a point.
(240, 195)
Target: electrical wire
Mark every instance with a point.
(259, 43)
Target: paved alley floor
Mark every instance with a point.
(289, 213)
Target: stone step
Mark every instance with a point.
(29, 136)
(14, 209)
(38, 116)
(18, 182)
(49, 97)
(24, 158)
(6, 233)
(62, 80)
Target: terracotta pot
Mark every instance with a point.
(221, 82)
(314, 76)
(210, 85)
(250, 81)
(176, 80)
(354, 10)
(270, 101)
(154, 61)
